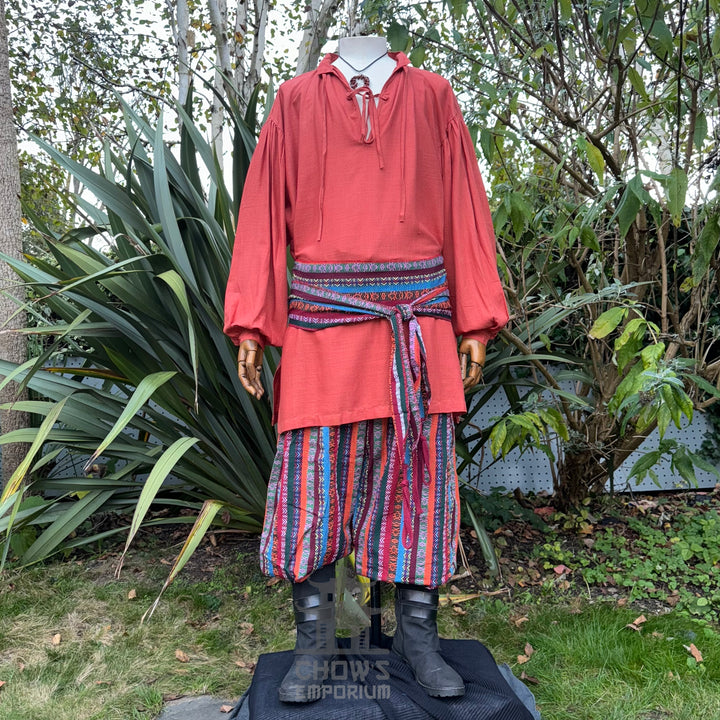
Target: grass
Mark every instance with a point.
(105, 664)
(72, 646)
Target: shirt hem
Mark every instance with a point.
(350, 416)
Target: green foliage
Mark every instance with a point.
(676, 559)
(682, 461)
(137, 295)
(495, 509)
(527, 430)
(610, 268)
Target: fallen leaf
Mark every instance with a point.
(519, 621)
(132, 594)
(657, 635)
(241, 663)
(226, 708)
(622, 602)
(694, 652)
(522, 659)
(643, 505)
(56, 639)
(445, 600)
(247, 627)
(183, 657)
(459, 610)
(213, 539)
(636, 623)
(2, 682)
(273, 581)
(562, 569)
(529, 678)
(672, 600)
(454, 589)
(529, 649)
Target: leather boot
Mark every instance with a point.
(416, 641)
(314, 607)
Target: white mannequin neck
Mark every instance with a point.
(360, 52)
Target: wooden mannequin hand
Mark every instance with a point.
(472, 359)
(250, 359)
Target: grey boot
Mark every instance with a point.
(314, 606)
(416, 641)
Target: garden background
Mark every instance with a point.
(126, 140)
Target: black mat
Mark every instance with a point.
(378, 685)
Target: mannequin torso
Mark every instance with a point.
(359, 52)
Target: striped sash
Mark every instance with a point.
(330, 294)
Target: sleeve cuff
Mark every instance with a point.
(483, 336)
(249, 335)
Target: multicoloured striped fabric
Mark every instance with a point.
(328, 294)
(331, 492)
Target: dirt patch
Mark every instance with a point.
(154, 551)
(549, 552)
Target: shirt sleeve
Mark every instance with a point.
(256, 296)
(476, 294)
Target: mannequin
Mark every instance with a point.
(364, 72)
(366, 55)
(360, 51)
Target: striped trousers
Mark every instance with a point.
(330, 494)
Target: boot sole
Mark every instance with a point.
(442, 692)
(297, 698)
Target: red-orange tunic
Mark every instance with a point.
(409, 190)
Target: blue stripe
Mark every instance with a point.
(344, 308)
(268, 556)
(385, 287)
(326, 486)
(400, 547)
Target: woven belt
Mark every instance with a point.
(330, 294)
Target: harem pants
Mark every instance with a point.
(330, 494)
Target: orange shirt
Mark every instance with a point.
(323, 187)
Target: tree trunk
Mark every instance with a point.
(320, 15)
(223, 70)
(578, 474)
(182, 42)
(13, 346)
(587, 470)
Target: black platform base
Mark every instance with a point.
(376, 684)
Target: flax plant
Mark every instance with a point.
(154, 414)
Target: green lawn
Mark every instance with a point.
(72, 646)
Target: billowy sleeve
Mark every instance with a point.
(476, 294)
(256, 296)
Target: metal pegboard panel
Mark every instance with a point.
(530, 471)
